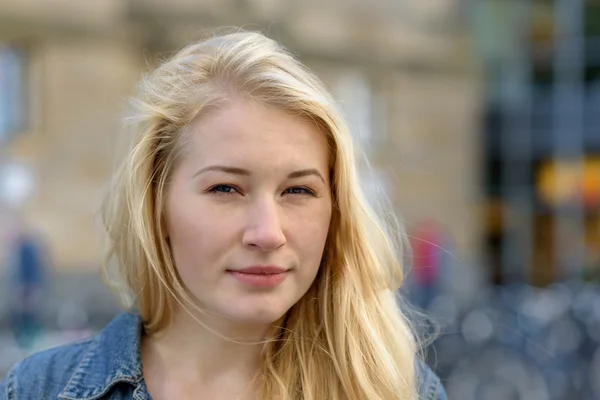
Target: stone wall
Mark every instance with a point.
(423, 79)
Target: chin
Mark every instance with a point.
(257, 315)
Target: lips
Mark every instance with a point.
(261, 270)
(262, 277)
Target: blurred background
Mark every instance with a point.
(481, 119)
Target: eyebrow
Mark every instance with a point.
(306, 172)
(224, 168)
(241, 171)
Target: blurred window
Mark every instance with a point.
(13, 108)
(365, 107)
(355, 93)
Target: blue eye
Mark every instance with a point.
(223, 190)
(299, 190)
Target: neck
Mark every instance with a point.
(206, 355)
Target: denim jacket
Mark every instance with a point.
(108, 366)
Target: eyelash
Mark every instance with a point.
(215, 190)
(222, 193)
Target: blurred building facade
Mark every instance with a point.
(542, 138)
(405, 72)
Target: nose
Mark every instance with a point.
(264, 230)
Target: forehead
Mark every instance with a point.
(249, 132)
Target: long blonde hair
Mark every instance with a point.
(347, 337)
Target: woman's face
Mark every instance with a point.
(248, 211)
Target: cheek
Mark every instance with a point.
(184, 228)
(193, 241)
(313, 235)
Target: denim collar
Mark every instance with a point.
(113, 356)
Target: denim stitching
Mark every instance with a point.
(11, 383)
(104, 391)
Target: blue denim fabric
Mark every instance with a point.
(108, 366)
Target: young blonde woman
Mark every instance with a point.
(253, 266)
